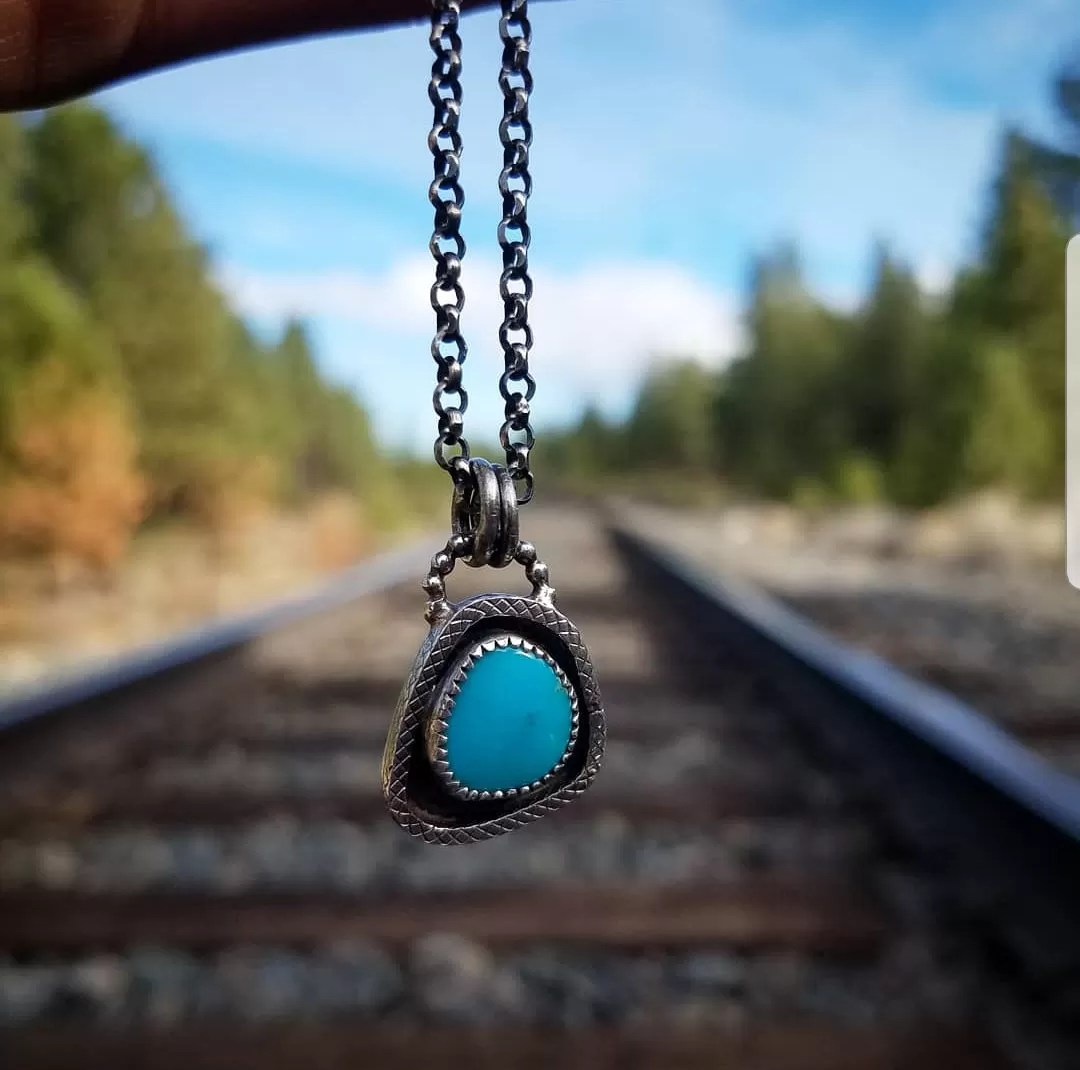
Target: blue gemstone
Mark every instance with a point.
(510, 723)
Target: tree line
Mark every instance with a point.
(131, 392)
(912, 398)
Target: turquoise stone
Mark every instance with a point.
(510, 722)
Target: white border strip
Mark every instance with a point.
(1072, 410)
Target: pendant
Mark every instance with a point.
(500, 720)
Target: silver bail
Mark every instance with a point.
(485, 510)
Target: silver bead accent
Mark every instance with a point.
(537, 574)
(434, 587)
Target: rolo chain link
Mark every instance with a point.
(516, 384)
(448, 348)
(447, 246)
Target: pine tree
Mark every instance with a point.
(777, 417)
(1058, 166)
(1020, 295)
(102, 217)
(929, 462)
(672, 422)
(1008, 444)
(881, 363)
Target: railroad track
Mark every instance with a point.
(196, 870)
(1010, 664)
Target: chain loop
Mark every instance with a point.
(516, 385)
(448, 348)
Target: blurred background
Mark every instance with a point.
(800, 304)
(808, 254)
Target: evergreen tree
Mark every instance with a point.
(111, 326)
(672, 422)
(776, 416)
(930, 461)
(102, 217)
(585, 455)
(1009, 441)
(1019, 296)
(1059, 165)
(219, 416)
(877, 379)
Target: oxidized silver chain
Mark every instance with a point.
(447, 245)
(500, 720)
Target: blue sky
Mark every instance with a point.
(668, 149)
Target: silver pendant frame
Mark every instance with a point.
(417, 796)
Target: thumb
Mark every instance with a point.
(51, 50)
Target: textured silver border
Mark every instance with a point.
(405, 743)
(444, 707)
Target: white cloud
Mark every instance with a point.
(607, 320)
(388, 301)
(596, 331)
(934, 278)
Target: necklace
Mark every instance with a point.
(500, 720)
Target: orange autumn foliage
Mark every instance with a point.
(71, 490)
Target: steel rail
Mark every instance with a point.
(955, 788)
(152, 663)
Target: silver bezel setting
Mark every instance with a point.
(453, 820)
(444, 707)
